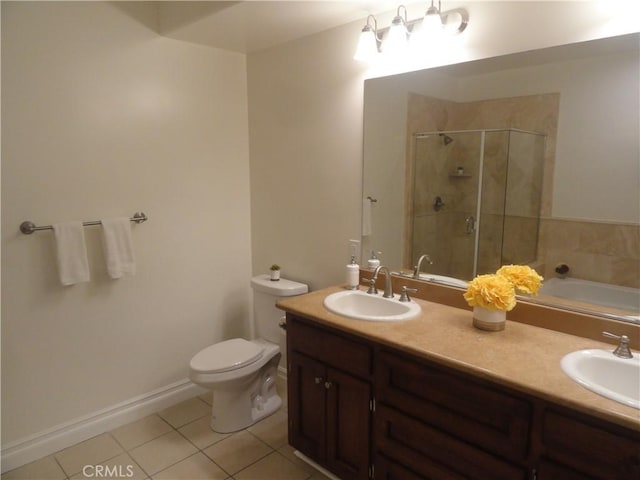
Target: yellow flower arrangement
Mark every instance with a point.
(491, 291)
(497, 291)
(524, 279)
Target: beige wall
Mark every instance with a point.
(102, 117)
(305, 125)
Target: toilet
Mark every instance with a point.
(242, 373)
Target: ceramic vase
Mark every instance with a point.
(275, 275)
(491, 320)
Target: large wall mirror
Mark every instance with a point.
(531, 158)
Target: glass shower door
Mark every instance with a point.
(445, 201)
(510, 199)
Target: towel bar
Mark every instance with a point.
(28, 227)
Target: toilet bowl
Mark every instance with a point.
(243, 373)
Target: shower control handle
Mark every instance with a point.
(469, 225)
(438, 204)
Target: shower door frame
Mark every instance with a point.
(408, 252)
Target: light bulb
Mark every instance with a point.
(367, 45)
(396, 42)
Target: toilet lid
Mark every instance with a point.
(225, 356)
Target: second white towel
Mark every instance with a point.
(118, 247)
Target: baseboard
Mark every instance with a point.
(49, 441)
(321, 469)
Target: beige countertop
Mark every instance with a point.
(523, 357)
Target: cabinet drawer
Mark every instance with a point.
(586, 445)
(482, 415)
(332, 349)
(387, 469)
(434, 454)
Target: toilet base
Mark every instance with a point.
(269, 407)
(242, 402)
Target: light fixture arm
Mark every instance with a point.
(399, 19)
(464, 18)
(433, 10)
(368, 28)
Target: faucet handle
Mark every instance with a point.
(622, 350)
(404, 296)
(372, 286)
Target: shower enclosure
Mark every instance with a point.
(475, 202)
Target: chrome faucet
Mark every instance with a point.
(388, 289)
(622, 350)
(416, 269)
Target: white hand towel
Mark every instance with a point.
(118, 247)
(73, 266)
(366, 217)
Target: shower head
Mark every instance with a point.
(446, 139)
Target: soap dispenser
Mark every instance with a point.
(353, 273)
(374, 261)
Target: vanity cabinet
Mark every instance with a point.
(446, 425)
(364, 409)
(330, 398)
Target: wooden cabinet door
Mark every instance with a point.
(587, 446)
(348, 425)
(307, 405)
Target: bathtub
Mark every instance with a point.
(604, 294)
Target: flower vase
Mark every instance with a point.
(491, 320)
(275, 275)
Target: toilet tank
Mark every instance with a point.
(265, 295)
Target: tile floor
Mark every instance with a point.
(177, 444)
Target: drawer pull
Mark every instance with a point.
(328, 385)
(318, 380)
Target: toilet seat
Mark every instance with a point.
(226, 356)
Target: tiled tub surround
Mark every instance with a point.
(177, 444)
(522, 357)
(598, 251)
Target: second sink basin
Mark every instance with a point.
(605, 374)
(363, 306)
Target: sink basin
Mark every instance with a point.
(605, 374)
(363, 306)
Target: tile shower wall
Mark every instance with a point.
(500, 234)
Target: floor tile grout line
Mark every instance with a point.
(252, 463)
(201, 450)
(69, 475)
(182, 460)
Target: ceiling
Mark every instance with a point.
(249, 26)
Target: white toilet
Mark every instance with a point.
(242, 373)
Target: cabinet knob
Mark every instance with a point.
(318, 380)
(327, 385)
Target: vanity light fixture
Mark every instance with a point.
(402, 32)
(429, 29)
(369, 43)
(398, 39)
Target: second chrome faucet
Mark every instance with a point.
(418, 267)
(388, 289)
